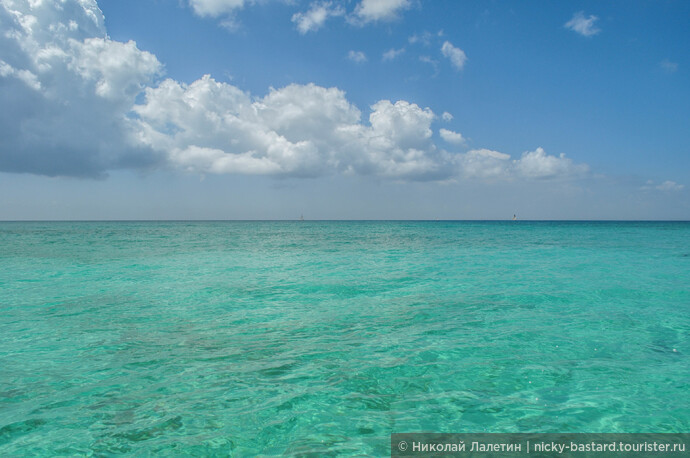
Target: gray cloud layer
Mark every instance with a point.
(66, 90)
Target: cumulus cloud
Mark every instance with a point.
(456, 56)
(538, 164)
(452, 137)
(357, 56)
(380, 10)
(392, 54)
(67, 91)
(298, 130)
(78, 103)
(315, 17)
(583, 25)
(117, 70)
(447, 116)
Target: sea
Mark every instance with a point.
(322, 338)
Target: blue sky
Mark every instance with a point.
(404, 109)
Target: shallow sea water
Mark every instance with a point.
(323, 338)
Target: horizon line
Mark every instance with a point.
(202, 220)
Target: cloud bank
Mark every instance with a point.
(532, 165)
(77, 103)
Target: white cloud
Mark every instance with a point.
(668, 66)
(315, 17)
(452, 137)
(25, 76)
(215, 8)
(380, 10)
(423, 38)
(365, 12)
(583, 25)
(357, 56)
(404, 124)
(78, 103)
(456, 55)
(538, 164)
(215, 127)
(119, 70)
(447, 116)
(231, 24)
(488, 164)
(298, 130)
(484, 164)
(670, 186)
(392, 54)
(398, 143)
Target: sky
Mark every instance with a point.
(352, 109)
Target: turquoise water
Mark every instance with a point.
(323, 338)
